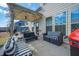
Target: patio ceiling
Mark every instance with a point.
(22, 13)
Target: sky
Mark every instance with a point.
(4, 21)
(32, 6)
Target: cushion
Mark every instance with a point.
(10, 47)
(47, 36)
(53, 33)
(54, 37)
(32, 34)
(26, 35)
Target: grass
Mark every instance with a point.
(3, 37)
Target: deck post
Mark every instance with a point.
(12, 15)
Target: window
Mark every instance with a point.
(48, 24)
(74, 18)
(60, 22)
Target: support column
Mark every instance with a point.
(53, 24)
(12, 15)
(68, 22)
(42, 25)
(35, 28)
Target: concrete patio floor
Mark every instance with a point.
(44, 48)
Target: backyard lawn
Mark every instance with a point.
(3, 37)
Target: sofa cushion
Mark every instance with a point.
(26, 35)
(54, 37)
(32, 34)
(47, 36)
(53, 33)
(29, 34)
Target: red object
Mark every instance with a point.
(74, 35)
(72, 44)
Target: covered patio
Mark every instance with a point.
(39, 47)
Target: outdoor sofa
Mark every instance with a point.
(29, 36)
(53, 37)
